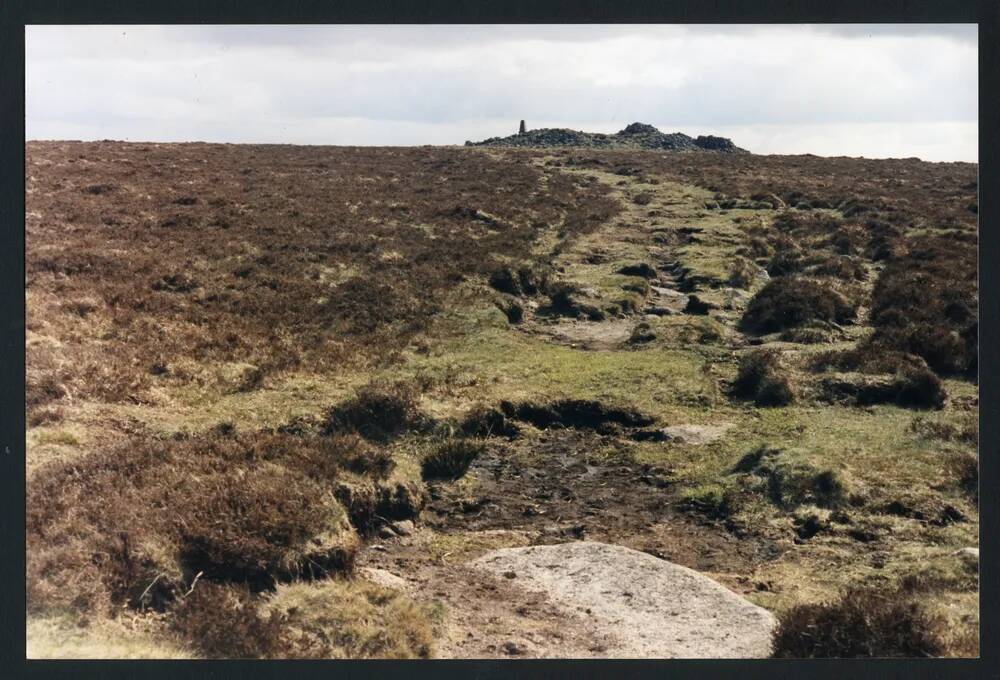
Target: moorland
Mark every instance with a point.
(279, 397)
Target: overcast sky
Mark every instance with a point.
(859, 90)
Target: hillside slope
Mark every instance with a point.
(281, 398)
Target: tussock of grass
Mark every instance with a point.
(378, 411)
(864, 622)
(713, 500)
(642, 269)
(642, 333)
(741, 273)
(786, 302)
(370, 502)
(965, 430)
(342, 619)
(59, 437)
(579, 413)
(485, 421)
(451, 459)
(222, 622)
(762, 378)
(913, 387)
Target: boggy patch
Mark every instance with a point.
(571, 484)
(576, 413)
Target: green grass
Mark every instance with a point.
(512, 365)
(193, 408)
(57, 437)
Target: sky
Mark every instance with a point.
(889, 90)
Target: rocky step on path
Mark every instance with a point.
(651, 607)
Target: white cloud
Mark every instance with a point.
(874, 90)
(937, 141)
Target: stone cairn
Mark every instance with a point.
(522, 129)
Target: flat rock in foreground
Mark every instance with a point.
(657, 609)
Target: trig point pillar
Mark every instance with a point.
(522, 130)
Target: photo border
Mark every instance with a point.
(14, 15)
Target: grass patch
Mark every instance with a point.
(55, 635)
(513, 366)
(713, 500)
(789, 483)
(351, 619)
(58, 437)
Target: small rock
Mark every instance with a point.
(510, 574)
(384, 578)
(386, 532)
(514, 649)
(683, 434)
(969, 553)
(657, 311)
(404, 527)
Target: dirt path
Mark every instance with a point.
(485, 615)
(660, 234)
(547, 489)
(567, 485)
